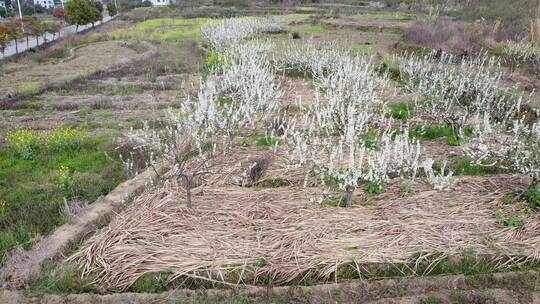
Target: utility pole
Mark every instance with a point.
(20, 14)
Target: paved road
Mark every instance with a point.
(32, 42)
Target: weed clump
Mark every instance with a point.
(532, 195)
(65, 279)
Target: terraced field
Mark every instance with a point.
(304, 156)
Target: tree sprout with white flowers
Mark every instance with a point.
(515, 148)
(457, 92)
(224, 34)
(350, 84)
(349, 163)
(182, 143)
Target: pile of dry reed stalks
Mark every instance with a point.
(237, 235)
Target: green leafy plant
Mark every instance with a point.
(262, 140)
(25, 142)
(406, 188)
(402, 110)
(532, 195)
(513, 219)
(509, 198)
(369, 139)
(85, 112)
(65, 139)
(152, 76)
(215, 61)
(337, 202)
(66, 180)
(374, 188)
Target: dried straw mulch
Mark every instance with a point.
(240, 236)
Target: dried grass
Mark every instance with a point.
(236, 235)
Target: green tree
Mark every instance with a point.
(111, 8)
(79, 12)
(97, 13)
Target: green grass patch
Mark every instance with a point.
(151, 282)
(374, 188)
(28, 88)
(387, 16)
(61, 279)
(402, 110)
(363, 49)
(433, 133)
(406, 188)
(369, 139)
(513, 218)
(337, 202)
(466, 166)
(162, 30)
(37, 174)
(263, 140)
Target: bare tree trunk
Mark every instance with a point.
(349, 193)
(27, 42)
(188, 193)
(187, 185)
(16, 46)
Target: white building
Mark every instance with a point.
(160, 2)
(45, 3)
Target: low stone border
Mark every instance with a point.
(24, 265)
(522, 286)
